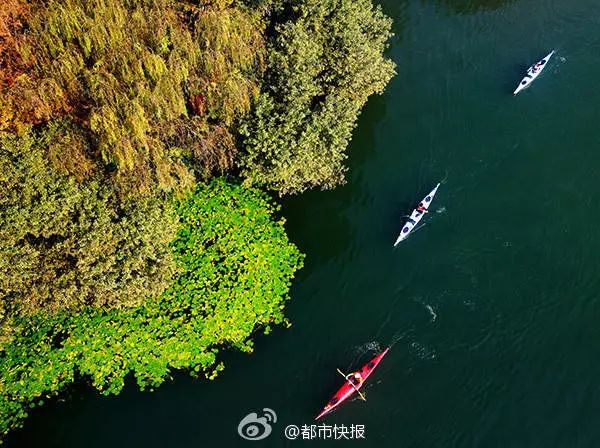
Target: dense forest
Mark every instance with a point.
(141, 144)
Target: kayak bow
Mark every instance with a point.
(533, 74)
(348, 389)
(416, 216)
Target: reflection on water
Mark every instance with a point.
(471, 6)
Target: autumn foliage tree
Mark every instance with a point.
(13, 16)
(154, 84)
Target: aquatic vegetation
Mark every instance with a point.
(235, 268)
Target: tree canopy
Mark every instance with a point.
(67, 245)
(324, 63)
(154, 84)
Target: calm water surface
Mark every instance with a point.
(491, 308)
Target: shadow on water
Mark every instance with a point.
(330, 206)
(192, 407)
(470, 6)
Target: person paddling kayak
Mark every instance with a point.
(355, 378)
(536, 67)
(351, 387)
(417, 214)
(533, 72)
(421, 208)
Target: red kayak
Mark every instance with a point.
(353, 383)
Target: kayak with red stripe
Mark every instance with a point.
(354, 382)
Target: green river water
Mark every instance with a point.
(491, 308)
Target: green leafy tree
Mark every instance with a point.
(69, 245)
(235, 268)
(323, 65)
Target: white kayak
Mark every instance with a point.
(533, 72)
(416, 216)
